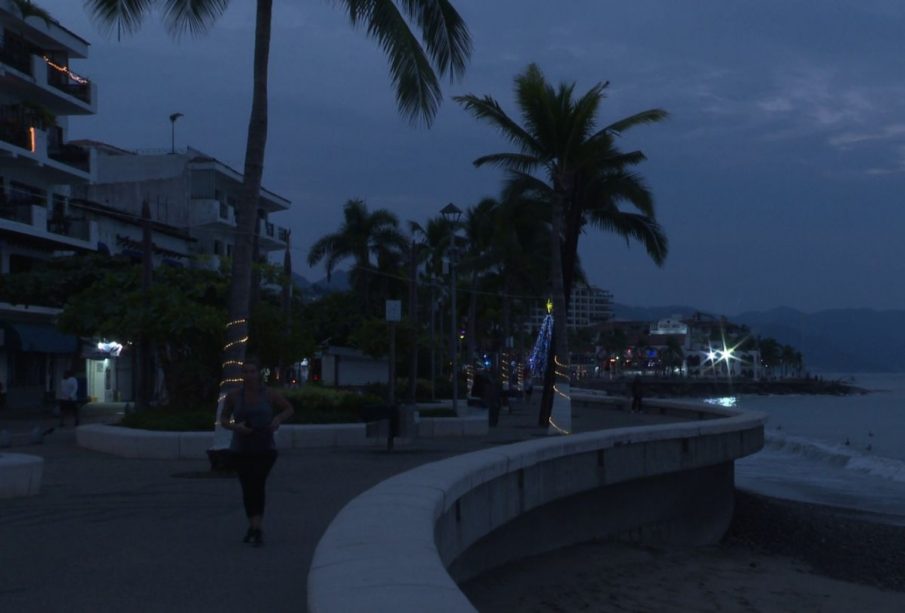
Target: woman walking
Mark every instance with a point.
(254, 413)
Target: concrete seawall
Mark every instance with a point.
(402, 545)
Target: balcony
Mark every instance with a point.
(26, 214)
(72, 227)
(15, 133)
(71, 155)
(211, 212)
(271, 237)
(14, 54)
(62, 78)
(25, 139)
(45, 81)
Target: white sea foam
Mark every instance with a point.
(839, 456)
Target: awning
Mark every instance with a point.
(43, 338)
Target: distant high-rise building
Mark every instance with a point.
(588, 306)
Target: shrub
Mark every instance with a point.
(320, 405)
(169, 420)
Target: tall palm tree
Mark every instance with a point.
(478, 257)
(434, 237)
(361, 235)
(558, 139)
(414, 68)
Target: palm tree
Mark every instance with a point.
(770, 353)
(478, 257)
(558, 138)
(361, 235)
(434, 238)
(446, 47)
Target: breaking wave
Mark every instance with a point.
(838, 456)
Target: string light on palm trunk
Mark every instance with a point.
(227, 381)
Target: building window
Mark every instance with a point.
(229, 251)
(218, 247)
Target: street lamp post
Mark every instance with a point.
(173, 119)
(451, 213)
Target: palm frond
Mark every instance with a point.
(641, 228)
(417, 89)
(444, 34)
(321, 248)
(644, 117)
(521, 185)
(509, 161)
(489, 110)
(121, 15)
(192, 16)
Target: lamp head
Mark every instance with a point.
(451, 213)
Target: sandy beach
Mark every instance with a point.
(778, 556)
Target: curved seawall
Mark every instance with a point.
(402, 545)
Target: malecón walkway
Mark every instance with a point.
(114, 534)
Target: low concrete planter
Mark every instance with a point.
(20, 474)
(134, 443)
(402, 545)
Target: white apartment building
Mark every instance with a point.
(587, 306)
(39, 91)
(188, 191)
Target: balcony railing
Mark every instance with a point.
(71, 227)
(71, 155)
(68, 82)
(15, 133)
(283, 235)
(18, 205)
(16, 56)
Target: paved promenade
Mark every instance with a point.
(112, 534)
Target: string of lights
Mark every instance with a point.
(66, 71)
(227, 381)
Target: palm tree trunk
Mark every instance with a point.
(433, 340)
(559, 366)
(472, 324)
(413, 317)
(240, 286)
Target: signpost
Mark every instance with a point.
(393, 316)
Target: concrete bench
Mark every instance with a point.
(20, 474)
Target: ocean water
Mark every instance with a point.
(844, 451)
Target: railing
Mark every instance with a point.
(16, 56)
(15, 133)
(16, 210)
(69, 83)
(71, 155)
(283, 235)
(71, 227)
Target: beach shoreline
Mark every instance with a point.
(779, 555)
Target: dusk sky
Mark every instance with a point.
(778, 178)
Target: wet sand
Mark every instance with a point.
(778, 556)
